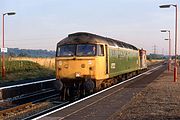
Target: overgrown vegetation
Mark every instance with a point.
(156, 56)
(25, 70)
(16, 52)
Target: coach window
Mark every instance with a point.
(100, 50)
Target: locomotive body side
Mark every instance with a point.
(122, 60)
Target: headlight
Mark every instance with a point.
(89, 62)
(78, 74)
(66, 66)
(82, 65)
(60, 62)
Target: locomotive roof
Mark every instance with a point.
(84, 37)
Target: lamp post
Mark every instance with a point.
(2, 49)
(176, 37)
(169, 61)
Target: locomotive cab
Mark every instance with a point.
(143, 63)
(81, 63)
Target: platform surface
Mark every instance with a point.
(160, 100)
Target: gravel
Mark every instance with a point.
(160, 100)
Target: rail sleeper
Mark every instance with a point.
(1, 95)
(6, 112)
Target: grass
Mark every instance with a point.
(46, 62)
(25, 70)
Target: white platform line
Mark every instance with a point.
(94, 94)
(13, 86)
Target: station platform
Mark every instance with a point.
(152, 95)
(160, 100)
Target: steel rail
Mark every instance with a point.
(24, 84)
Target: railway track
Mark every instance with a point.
(24, 101)
(30, 110)
(33, 104)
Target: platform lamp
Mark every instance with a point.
(169, 61)
(3, 49)
(176, 37)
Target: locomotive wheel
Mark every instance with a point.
(64, 94)
(88, 85)
(58, 85)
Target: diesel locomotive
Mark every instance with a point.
(87, 62)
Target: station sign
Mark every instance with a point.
(4, 50)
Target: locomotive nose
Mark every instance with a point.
(79, 68)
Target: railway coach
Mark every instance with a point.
(87, 62)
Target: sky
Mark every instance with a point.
(40, 24)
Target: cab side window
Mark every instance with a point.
(100, 50)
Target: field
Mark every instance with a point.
(151, 62)
(25, 70)
(46, 62)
